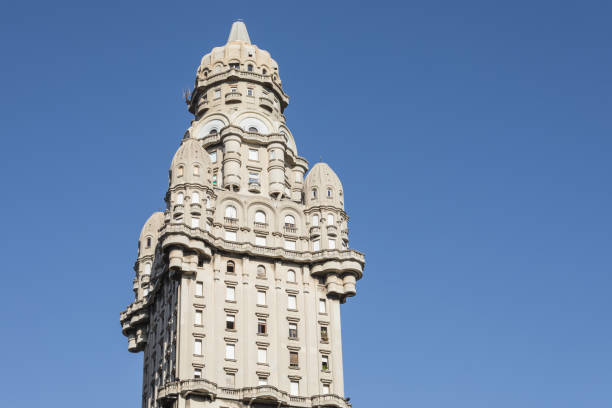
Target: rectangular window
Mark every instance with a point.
(294, 388)
(272, 154)
(217, 93)
(230, 293)
(290, 245)
(261, 326)
(324, 333)
(213, 157)
(316, 245)
(250, 91)
(195, 222)
(214, 180)
(322, 306)
(331, 243)
(230, 379)
(298, 177)
(293, 359)
(199, 289)
(293, 330)
(197, 373)
(261, 297)
(197, 347)
(253, 177)
(253, 154)
(230, 235)
(198, 317)
(292, 302)
(230, 322)
(260, 240)
(325, 389)
(230, 351)
(315, 220)
(234, 90)
(324, 363)
(262, 381)
(262, 355)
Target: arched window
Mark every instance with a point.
(179, 198)
(329, 193)
(261, 271)
(253, 129)
(230, 212)
(260, 217)
(264, 71)
(315, 220)
(291, 275)
(330, 219)
(148, 242)
(250, 68)
(213, 131)
(230, 268)
(289, 220)
(179, 172)
(195, 197)
(196, 170)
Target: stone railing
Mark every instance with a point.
(233, 97)
(231, 221)
(290, 229)
(247, 75)
(332, 230)
(249, 394)
(260, 225)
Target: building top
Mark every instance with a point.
(239, 33)
(323, 187)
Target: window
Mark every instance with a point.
(261, 297)
(197, 347)
(197, 373)
(217, 93)
(208, 202)
(198, 317)
(213, 131)
(230, 293)
(214, 180)
(230, 351)
(253, 129)
(330, 219)
(314, 193)
(331, 243)
(344, 245)
(325, 389)
(260, 240)
(148, 242)
(230, 212)
(324, 333)
(260, 217)
(250, 68)
(294, 388)
(298, 177)
(180, 198)
(316, 245)
(290, 245)
(213, 157)
(262, 381)
(253, 177)
(179, 172)
(199, 289)
(290, 275)
(261, 271)
(147, 269)
(230, 322)
(293, 359)
(289, 221)
(315, 220)
(324, 363)
(262, 355)
(322, 306)
(293, 330)
(329, 193)
(195, 222)
(195, 197)
(261, 326)
(253, 154)
(292, 302)
(272, 154)
(264, 71)
(234, 65)
(230, 235)
(230, 379)
(234, 90)
(249, 91)
(196, 170)
(230, 267)
(145, 290)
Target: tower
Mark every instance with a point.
(239, 281)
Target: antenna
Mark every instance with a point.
(187, 95)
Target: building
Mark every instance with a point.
(239, 281)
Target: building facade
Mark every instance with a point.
(239, 281)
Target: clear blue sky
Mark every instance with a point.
(473, 139)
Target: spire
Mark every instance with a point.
(239, 32)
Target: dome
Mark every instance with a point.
(148, 235)
(323, 187)
(191, 164)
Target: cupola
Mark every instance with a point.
(322, 187)
(190, 165)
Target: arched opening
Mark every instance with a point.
(289, 221)
(230, 212)
(230, 267)
(261, 271)
(260, 217)
(290, 275)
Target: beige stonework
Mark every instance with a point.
(239, 281)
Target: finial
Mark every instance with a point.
(239, 32)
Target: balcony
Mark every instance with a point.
(179, 209)
(266, 103)
(290, 229)
(254, 186)
(329, 400)
(196, 208)
(315, 231)
(233, 97)
(260, 225)
(202, 106)
(332, 231)
(344, 234)
(232, 222)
